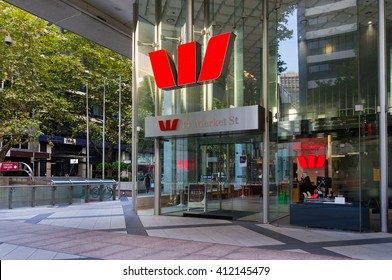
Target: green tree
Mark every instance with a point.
(104, 67)
(35, 71)
(43, 70)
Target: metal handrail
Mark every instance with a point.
(70, 183)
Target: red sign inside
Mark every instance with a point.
(215, 64)
(9, 166)
(311, 161)
(185, 164)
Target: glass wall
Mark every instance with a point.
(145, 97)
(321, 94)
(328, 122)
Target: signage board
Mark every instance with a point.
(70, 141)
(196, 195)
(221, 121)
(243, 161)
(9, 166)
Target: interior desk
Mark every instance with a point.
(251, 189)
(348, 216)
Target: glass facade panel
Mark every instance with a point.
(145, 99)
(329, 135)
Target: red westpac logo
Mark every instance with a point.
(311, 161)
(189, 72)
(168, 125)
(185, 164)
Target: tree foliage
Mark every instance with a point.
(284, 32)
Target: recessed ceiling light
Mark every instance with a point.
(171, 20)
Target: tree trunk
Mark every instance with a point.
(4, 150)
(109, 159)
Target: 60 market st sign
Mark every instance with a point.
(221, 121)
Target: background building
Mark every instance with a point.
(290, 81)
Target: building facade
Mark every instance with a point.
(321, 163)
(290, 82)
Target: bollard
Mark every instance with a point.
(10, 194)
(33, 197)
(87, 193)
(100, 193)
(53, 195)
(70, 195)
(114, 192)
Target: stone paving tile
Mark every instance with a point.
(190, 247)
(64, 256)
(318, 235)
(31, 239)
(84, 249)
(167, 255)
(5, 249)
(20, 253)
(366, 251)
(264, 254)
(199, 257)
(47, 242)
(43, 255)
(217, 250)
(164, 221)
(134, 254)
(70, 232)
(113, 249)
(118, 238)
(12, 237)
(91, 236)
(165, 243)
(16, 252)
(62, 246)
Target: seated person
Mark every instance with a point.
(305, 185)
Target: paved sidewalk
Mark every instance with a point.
(110, 231)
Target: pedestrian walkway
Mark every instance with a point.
(110, 231)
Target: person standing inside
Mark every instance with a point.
(147, 182)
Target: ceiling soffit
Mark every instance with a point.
(106, 22)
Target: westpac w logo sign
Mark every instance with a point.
(168, 125)
(189, 71)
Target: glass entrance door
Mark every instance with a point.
(215, 174)
(231, 174)
(213, 177)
